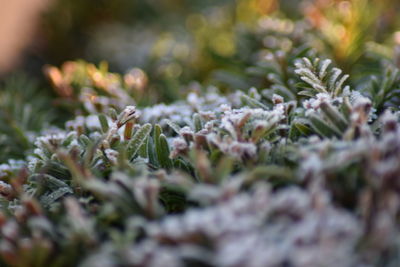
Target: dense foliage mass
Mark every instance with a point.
(292, 162)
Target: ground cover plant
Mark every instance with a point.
(289, 157)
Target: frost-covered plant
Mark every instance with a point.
(302, 173)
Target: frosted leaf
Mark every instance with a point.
(254, 93)
(5, 189)
(32, 163)
(50, 141)
(186, 131)
(307, 73)
(315, 103)
(324, 66)
(179, 146)
(340, 83)
(292, 201)
(335, 75)
(277, 99)
(112, 155)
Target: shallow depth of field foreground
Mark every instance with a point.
(171, 133)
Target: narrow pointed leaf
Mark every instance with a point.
(138, 140)
(103, 123)
(173, 126)
(322, 128)
(162, 149)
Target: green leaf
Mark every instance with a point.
(197, 122)
(103, 123)
(84, 140)
(323, 128)
(68, 139)
(252, 102)
(162, 150)
(49, 181)
(346, 108)
(181, 164)
(143, 148)
(306, 93)
(302, 127)
(173, 126)
(90, 152)
(113, 114)
(56, 170)
(334, 116)
(151, 152)
(274, 173)
(224, 168)
(138, 140)
(49, 199)
(156, 134)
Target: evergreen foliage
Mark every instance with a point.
(299, 169)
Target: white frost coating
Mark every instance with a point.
(308, 73)
(254, 93)
(313, 104)
(335, 76)
(51, 140)
(360, 100)
(179, 146)
(324, 66)
(129, 110)
(112, 155)
(186, 131)
(276, 99)
(289, 229)
(178, 113)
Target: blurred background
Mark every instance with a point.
(178, 41)
(171, 40)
